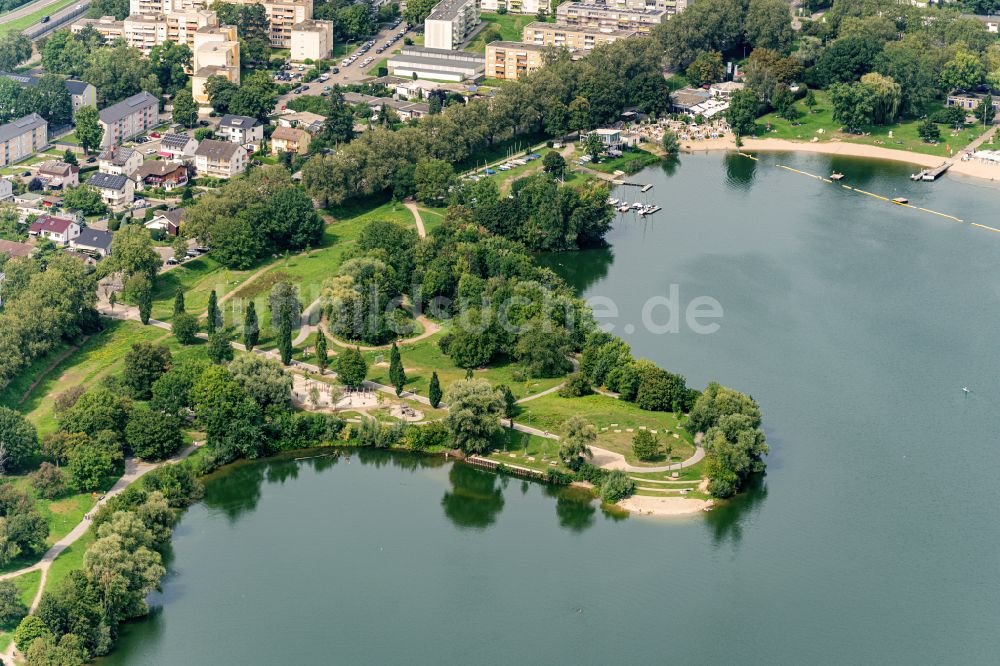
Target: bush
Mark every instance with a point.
(929, 131)
(12, 609)
(30, 629)
(616, 487)
(645, 445)
(49, 481)
(153, 435)
(576, 385)
(185, 328)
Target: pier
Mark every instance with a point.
(931, 174)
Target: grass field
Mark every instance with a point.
(27, 585)
(609, 415)
(630, 162)
(197, 278)
(424, 357)
(432, 217)
(904, 134)
(511, 28)
(99, 356)
(68, 560)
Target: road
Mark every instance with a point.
(26, 10)
(353, 73)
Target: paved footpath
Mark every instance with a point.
(134, 470)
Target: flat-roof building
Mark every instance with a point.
(604, 16)
(439, 64)
(216, 52)
(311, 40)
(516, 6)
(450, 23)
(281, 16)
(571, 36)
(509, 61)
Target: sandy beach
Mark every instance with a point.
(663, 506)
(972, 168)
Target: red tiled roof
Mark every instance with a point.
(56, 225)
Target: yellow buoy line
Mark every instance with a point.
(873, 195)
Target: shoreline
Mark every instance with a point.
(970, 168)
(663, 507)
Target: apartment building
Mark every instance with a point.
(110, 28)
(282, 15)
(216, 52)
(516, 6)
(510, 61)
(670, 6)
(119, 161)
(572, 37)
(594, 16)
(290, 140)
(165, 6)
(129, 117)
(220, 159)
(312, 40)
(80, 93)
(23, 138)
(450, 23)
(144, 31)
(241, 130)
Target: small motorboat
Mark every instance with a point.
(623, 208)
(613, 201)
(901, 201)
(836, 176)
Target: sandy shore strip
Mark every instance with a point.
(972, 168)
(663, 506)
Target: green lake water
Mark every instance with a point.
(873, 538)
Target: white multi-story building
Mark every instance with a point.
(595, 16)
(516, 6)
(220, 159)
(144, 31)
(571, 37)
(216, 52)
(311, 40)
(281, 16)
(128, 118)
(450, 23)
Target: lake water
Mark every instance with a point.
(872, 539)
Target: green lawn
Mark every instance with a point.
(27, 585)
(20, 24)
(549, 412)
(432, 217)
(424, 357)
(197, 278)
(631, 161)
(511, 29)
(101, 355)
(904, 134)
(68, 560)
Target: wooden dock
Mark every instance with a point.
(931, 174)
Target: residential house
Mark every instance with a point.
(289, 140)
(58, 175)
(22, 138)
(310, 122)
(405, 110)
(311, 40)
(450, 23)
(168, 221)
(34, 203)
(80, 92)
(116, 190)
(992, 23)
(93, 241)
(242, 130)
(162, 174)
(119, 161)
(128, 118)
(178, 146)
(6, 189)
(59, 230)
(220, 159)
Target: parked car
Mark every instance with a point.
(172, 262)
(154, 135)
(91, 160)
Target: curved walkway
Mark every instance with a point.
(412, 207)
(430, 328)
(134, 469)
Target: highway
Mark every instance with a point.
(25, 10)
